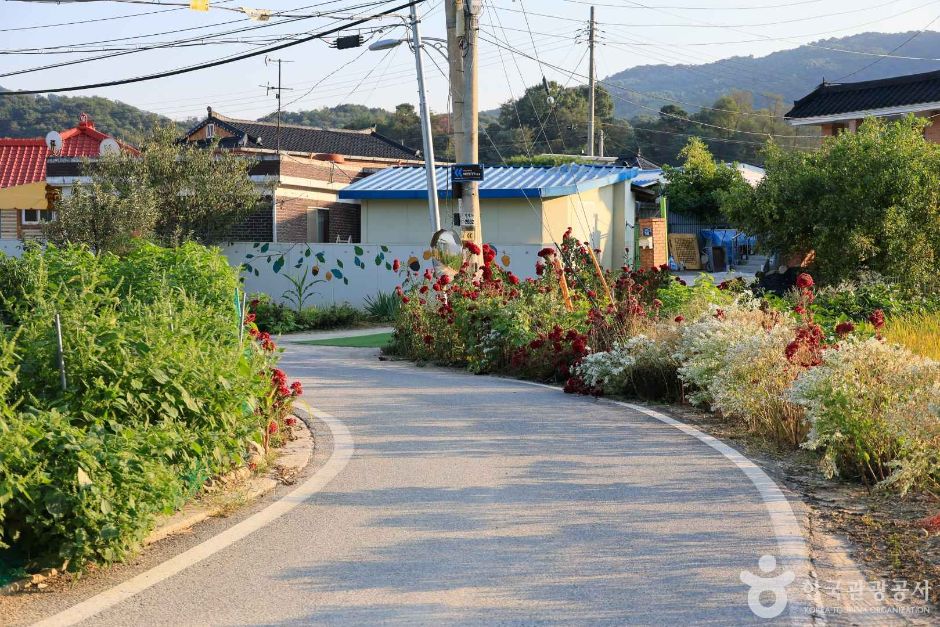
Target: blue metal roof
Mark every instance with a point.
(645, 178)
(498, 181)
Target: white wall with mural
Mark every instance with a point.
(346, 273)
(336, 273)
(11, 247)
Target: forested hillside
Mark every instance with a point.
(787, 75)
(34, 116)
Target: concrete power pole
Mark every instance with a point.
(462, 26)
(471, 120)
(453, 10)
(590, 134)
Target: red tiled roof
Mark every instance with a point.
(23, 161)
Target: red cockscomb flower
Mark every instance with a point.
(428, 339)
(249, 318)
(290, 421)
(428, 275)
(877, 318)
(278, 376)
(405, 300)
(296, 388)
(272, 427)
(513, 279)
(546, 252)
(719, 314)
(657, 303)
(472, 248)
(679, 319)
(804, 281)
(800, 309)
(445, 279)
(254, 303)
(844, 328)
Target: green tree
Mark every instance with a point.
(108, 213)
(171, 192)
(865, 200)
(697, 188)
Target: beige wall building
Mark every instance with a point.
(518, 205)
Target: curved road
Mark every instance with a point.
(483, 500)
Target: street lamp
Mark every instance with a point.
(426, 138)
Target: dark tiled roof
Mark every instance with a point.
(308, 139)
(636, 160)
(898, 91)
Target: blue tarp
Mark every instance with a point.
(730, 239)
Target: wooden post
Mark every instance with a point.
(564, 285)
(600, 275)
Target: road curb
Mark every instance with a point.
(292, 458)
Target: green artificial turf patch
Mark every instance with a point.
(375, 340)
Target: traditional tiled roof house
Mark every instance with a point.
(837, 107)
(305, 167)
(34, 171)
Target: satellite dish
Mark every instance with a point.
(109, 147)
(54, 142)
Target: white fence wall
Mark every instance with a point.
(11, 247)
(347, 273)
(337, 273)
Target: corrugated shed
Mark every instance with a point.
(498, 181)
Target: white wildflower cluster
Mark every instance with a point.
(704, 344)
(871, 403)
(607, 368)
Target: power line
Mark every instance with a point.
(637, 5)
(893, 50)
(180, 41)
(659, 112)
(211, 64)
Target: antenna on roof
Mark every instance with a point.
(54, 142)
(109, 147)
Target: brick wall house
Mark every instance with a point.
(301, 181)
(842, 107)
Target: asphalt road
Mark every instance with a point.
(479, 500)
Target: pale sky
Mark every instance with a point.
(630, 33)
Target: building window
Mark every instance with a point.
(323, 225)
(36, 216)
(210, 131)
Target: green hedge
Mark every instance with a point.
(161, 394)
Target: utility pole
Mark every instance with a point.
(590, 136)
(453, 10)
(429, 162)
(467, 44)
(277, 90)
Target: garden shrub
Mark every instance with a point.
(704, 343)
(873, 408)
(752, 383)
(163, 392)
(278, 319)
(643, 366)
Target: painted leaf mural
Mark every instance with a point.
(278, 264)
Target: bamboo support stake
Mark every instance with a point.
(564, 285)
(58, 337)
(600, 275)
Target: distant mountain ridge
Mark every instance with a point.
(787, 74)
(781, 76)
(34, 116)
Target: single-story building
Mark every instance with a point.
(838, 107)
(303, 168)
(518, 205)
(34, 171)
